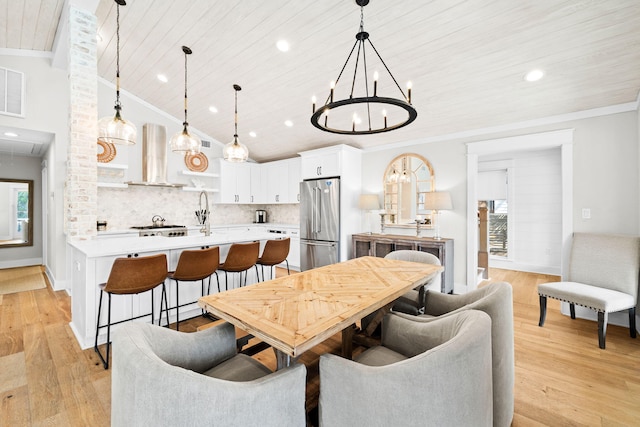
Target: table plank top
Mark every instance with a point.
(294, 313)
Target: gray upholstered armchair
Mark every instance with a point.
(425, 373)
(603, 276)
(163, 377)
(495, 299)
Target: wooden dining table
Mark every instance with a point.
(295, 313)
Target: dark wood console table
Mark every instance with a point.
(381, 244)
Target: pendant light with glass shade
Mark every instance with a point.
(235, 151)
(185, 141)
(116, 130)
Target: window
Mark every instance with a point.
(498, 228)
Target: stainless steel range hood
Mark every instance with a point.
(154, 157)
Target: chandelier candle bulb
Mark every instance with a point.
(333, 86)
(384, 114)
(313, 100)
(409, 92)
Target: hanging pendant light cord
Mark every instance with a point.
(185, 90)
(117, 57)
(235, 117)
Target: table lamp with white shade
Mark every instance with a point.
(368, 203)
(437, 201)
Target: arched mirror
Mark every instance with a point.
(16, 212)
(406, 180)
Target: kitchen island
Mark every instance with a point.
(91, 262)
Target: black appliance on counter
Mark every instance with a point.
(261, 216)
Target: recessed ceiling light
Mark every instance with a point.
(282, 45)
(288, 123)
(213, 109)
(12, 134)
(252, 134)
(163, 78)
(534, 75)
(98, 37)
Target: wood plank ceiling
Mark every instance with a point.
(465, 59)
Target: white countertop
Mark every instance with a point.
(108, 247)
(266, 226)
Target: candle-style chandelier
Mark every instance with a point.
(381, 113)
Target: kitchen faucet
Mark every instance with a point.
(206, 229)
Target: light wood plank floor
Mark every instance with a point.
(562, 377)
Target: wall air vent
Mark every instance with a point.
(206, 144)
(11, 92)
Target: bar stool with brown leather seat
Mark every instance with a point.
(193, 265)
(241, 257)
(130, 276)
(275, 252)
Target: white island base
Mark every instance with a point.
(91, 262)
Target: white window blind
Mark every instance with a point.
(492, 185)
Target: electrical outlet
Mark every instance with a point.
(586, 213)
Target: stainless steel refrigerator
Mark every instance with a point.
(319, 222)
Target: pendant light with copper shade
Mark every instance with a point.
(235, 151)
(116, 130)
(184, 140)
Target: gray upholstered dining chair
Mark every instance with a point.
(163, 377)
(603, 276)
(412, 302)
(495, 299)
(424, 373)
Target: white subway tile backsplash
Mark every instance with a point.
(136, 205)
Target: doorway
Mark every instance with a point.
(563, 139)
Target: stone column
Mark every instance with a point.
(81, 192)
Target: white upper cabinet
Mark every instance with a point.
(235, 182)
(277, 176)
(258, 184)
(295, 176)
(321, 163)
(265, 183)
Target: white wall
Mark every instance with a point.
(605, 176)
(46, 110)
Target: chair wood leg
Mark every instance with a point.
(632, 322)
(572, 310)
(602, 328)
(543, 310)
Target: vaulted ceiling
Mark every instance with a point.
(466, 60)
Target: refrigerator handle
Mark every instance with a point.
(313, 211)
(318, 209)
